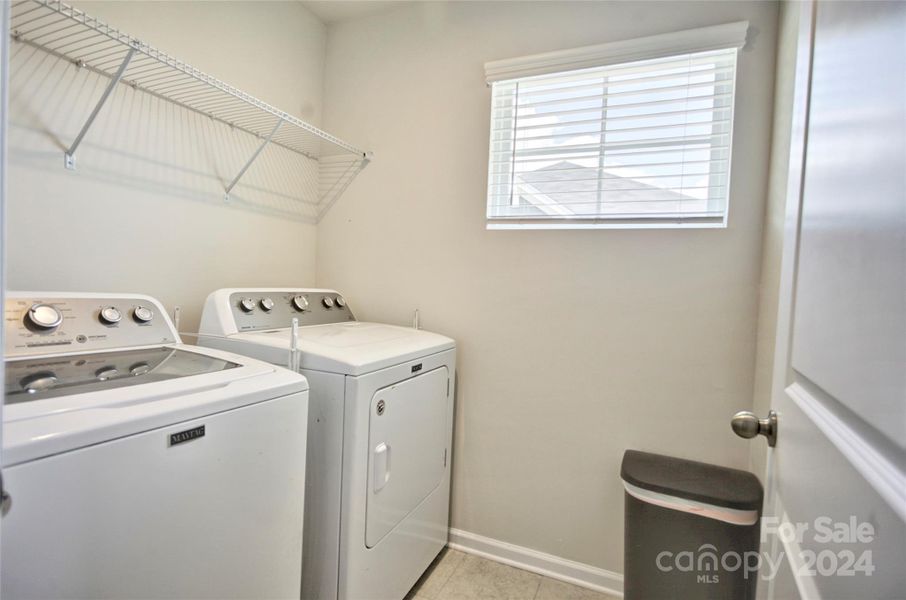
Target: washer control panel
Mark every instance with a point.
(269, 309)
(39, 325)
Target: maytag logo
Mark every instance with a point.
(186, 436)
(417, 368)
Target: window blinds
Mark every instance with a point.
(641, 143)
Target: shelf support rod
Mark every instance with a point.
(248, 164)
(69, 157)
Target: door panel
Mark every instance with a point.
(407, 443)
(849, 334)
(819, 486)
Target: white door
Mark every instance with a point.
(836, 481)
(4, 110)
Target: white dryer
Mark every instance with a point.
(379, 438)
(140, 467)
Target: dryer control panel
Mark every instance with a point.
(254, 310)
(40, 324)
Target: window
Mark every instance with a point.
(632, 134)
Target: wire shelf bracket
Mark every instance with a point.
(69, 34)
(248, 164)
(69, 155)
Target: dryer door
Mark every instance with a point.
(407, 444)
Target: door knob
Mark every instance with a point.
(746, 424)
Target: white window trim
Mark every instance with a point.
(717, 37)
(703, 39)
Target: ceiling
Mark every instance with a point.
(336, 11)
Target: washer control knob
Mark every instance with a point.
(110, 315)
(267, 304)
(44, 316)
(341, 301)
(300, 302)
(327, 301)
(105, 373)
(247, 305)
(142, 314)
(139, 368)
(39, 382)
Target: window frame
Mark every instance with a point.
(731, 36)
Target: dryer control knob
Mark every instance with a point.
(247, 305)
(44, 316)
(300, 303)
(267, 304)
(341, 301)
(142, 314)
(327, 301)
(110, 315)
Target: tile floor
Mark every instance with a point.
(458, 576)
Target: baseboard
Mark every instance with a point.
(548, 565)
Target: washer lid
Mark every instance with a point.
(85, 415)
(352, 348)
(44, 377)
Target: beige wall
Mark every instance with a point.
(574, 345)
(775, 207)
(144, 211)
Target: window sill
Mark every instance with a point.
(497, 225)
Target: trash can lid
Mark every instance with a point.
(720, 486)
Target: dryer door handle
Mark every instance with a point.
(381, 466)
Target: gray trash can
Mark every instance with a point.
(691, 529)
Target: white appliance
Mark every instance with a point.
(379, 438)
(140, 467)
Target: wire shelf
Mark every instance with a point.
(69, 34)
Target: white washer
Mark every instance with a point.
(140, 467)
(379, 438)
